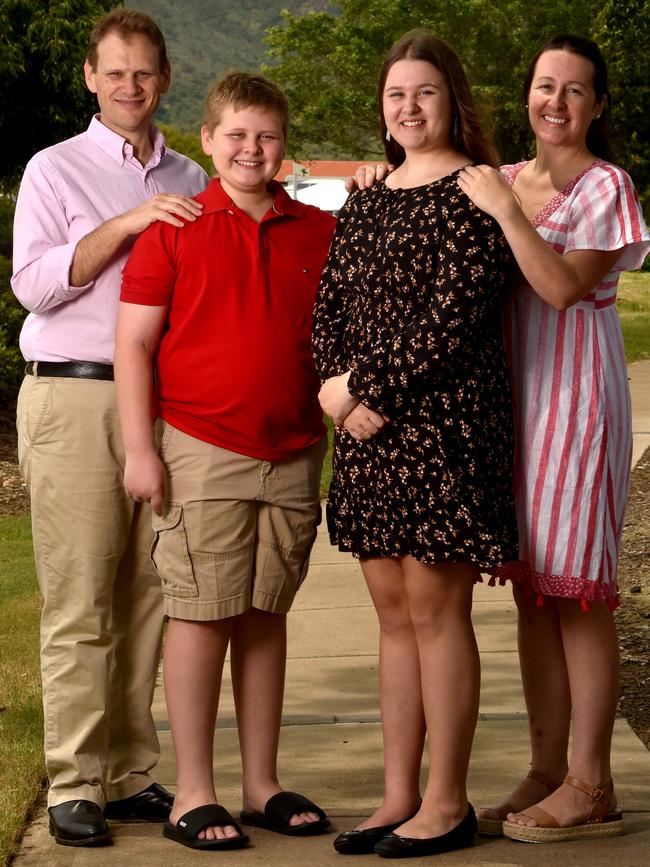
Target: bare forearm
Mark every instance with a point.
(96, 249)
(560, 279)
(551, 276)
(134, 386)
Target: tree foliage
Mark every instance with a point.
(43, 97)
(12, 314)
(328, 63)
(188, 143)
(623, 33)
(204, 39)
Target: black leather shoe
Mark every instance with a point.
(362, 841)
(154, 804)
(460, 837)
(78, 823)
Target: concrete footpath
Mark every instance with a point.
(331, 739)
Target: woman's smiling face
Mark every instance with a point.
(562, 102)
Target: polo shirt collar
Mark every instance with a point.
(215, 198)
(118, 148)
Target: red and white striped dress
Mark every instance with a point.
(571, 396)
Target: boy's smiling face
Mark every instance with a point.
(247, 147)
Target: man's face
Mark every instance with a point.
(128, 83)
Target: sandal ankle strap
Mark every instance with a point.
(540, 777)
(598, 794)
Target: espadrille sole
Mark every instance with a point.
(609, 827)
(490, 827)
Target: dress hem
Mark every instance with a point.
(567, 587)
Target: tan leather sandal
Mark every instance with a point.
(493, 827)
(602, 821)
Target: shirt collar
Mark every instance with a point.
(118, 148)
(216, 199)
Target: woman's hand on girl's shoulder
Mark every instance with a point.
(488, 189)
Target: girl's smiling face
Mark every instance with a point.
(417, 105)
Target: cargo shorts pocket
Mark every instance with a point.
(170, 554)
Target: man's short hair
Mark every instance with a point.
(128, 23)
(245, 90)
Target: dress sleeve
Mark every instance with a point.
(606, 215)
(467, 295)
(333, 300)
(149, 274)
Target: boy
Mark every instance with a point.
(224, 305)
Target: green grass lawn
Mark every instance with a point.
(634, 310)
(21, 753)
(21, 760)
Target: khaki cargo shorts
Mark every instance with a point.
(237, 532)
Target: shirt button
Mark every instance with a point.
(231, 213)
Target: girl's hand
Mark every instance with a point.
(364, 423)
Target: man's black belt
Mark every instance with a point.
(74, 369)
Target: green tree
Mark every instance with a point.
(187, 143)
(12, 314)
(43, 97)
(328, 63)
(622, 30)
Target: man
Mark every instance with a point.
(80, 206)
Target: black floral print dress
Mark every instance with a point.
(411, 302)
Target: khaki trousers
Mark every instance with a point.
(102, 618)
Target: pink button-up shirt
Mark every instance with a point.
(68, 190)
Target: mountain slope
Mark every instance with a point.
(207, 37)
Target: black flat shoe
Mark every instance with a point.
(78, 823)
(362, 841)
(460, 837)
(153, 804)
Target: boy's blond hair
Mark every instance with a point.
(245, 90)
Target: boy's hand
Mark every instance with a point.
(335, 399)
(366, 176)
(144, 480)
(363, 423)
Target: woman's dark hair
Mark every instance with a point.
(468, 136)
(597, 134)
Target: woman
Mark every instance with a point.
(573, 222)
(407, 339)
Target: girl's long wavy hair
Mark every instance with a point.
(597, 134)
(466, 134)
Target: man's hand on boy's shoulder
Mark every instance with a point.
(165, 207)
(367, 176)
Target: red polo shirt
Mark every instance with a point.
(234, 364)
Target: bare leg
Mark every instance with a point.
(440, 600)
(258, 659)
(402, 716)
(591, 651)
(193, 666)
(544, 674)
